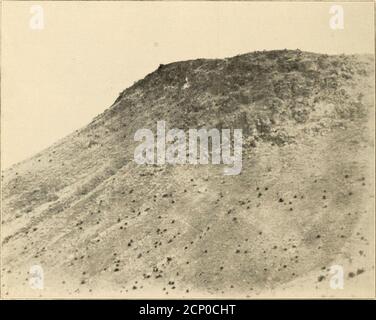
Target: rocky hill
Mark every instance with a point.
(99, 224)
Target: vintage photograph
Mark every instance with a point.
(186, 150)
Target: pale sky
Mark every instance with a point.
(55, 80)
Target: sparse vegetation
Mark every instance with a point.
(128, 228)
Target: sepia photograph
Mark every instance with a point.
(187, 150)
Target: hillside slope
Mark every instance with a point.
(99, 224)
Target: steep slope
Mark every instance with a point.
(98, 223)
